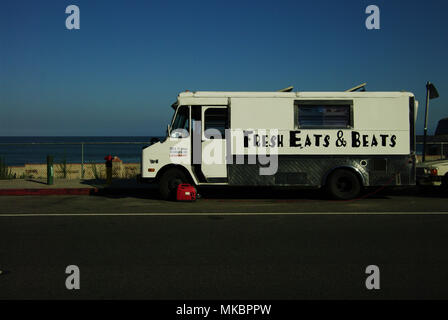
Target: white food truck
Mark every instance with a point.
(342, 141)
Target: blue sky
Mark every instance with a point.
(120, 72)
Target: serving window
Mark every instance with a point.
(215, 120)
(323, 114)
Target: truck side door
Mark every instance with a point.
(214, 124)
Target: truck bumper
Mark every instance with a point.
(140, 179)
(428, 180)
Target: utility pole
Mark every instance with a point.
(431, 93)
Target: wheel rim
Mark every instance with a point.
(344, 185)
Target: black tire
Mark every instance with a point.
(169, 181)
(445, 182)
(343, 184)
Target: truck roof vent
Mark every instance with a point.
(361, 87)
(288, 89)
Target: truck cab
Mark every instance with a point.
(180, 157)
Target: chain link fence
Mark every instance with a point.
(85, 160)
(434, 151)
(74, 160)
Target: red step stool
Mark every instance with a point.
(186, 192)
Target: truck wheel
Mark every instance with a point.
(169, 181)
(445, 182)
(343, 184)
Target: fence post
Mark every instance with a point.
(441, 151)
(108, 169)
(82, 160)
(50, 170)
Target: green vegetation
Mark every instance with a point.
(63, 168)
(95, 171)
(5, 171)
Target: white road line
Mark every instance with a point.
(4, 215)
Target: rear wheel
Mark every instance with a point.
(343, 184)
(445, 182)
(169, 181)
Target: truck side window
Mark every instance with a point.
(215, 118)
(323, 115)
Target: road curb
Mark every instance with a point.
(43, 192)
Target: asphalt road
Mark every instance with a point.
(240, 200)
(213, 255)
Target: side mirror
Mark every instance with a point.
(179, 133)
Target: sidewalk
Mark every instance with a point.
(64, 186)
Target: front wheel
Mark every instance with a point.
(343, 184)
(169, 181)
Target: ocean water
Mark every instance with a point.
(16, 151)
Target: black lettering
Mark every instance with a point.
(257, 140)
(393, 141)
(273, 139)
(307, 141)
(317, 139)
(264, 140)
(340, 142)
(356, 143)
(374, 141)
(280, 140)
(384, 139)
(365, 140)
(246, 138)
(326, 141)
(294, 141)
